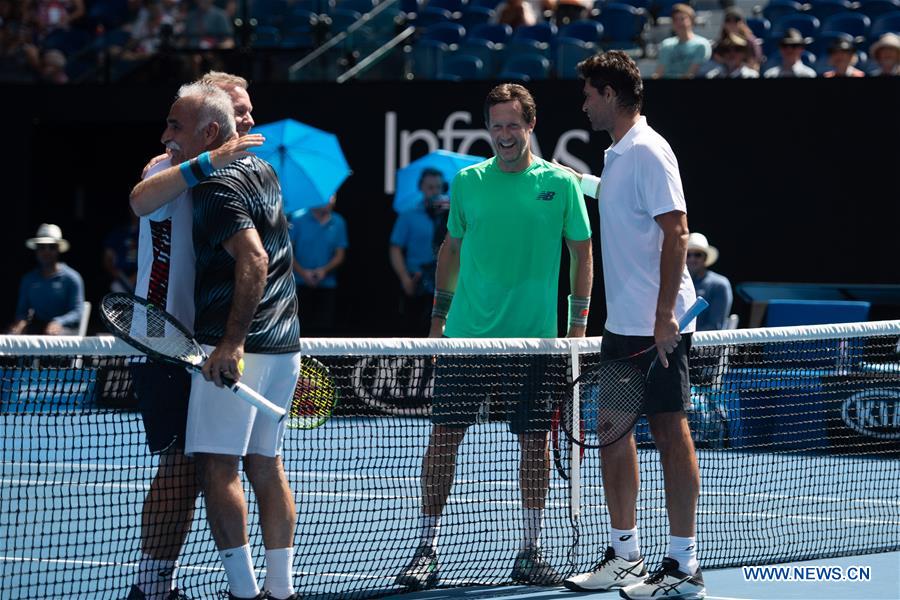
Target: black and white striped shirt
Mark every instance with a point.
(244, 195)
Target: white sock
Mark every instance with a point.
(279, 568)
(156, 578)
(429, 527)
(534, 518)
(239, 569)
(684, 550)
(626, 543)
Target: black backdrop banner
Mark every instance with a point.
(793, 181)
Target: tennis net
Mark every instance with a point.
(797, 430)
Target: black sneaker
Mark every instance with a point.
(422, 571)
(269, 596)
(135, 593)
(669, 583)
(530, 568)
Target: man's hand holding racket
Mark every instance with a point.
(226, 360)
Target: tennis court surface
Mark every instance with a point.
(798, 435)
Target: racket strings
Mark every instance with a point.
(150, 327)
(610, 399)
(314, 397)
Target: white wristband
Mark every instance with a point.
(590, 185)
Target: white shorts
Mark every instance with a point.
(221, 423)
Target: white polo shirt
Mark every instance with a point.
(640, 182)
(166, 255)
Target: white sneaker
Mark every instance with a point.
(612, 572)
(667, 582)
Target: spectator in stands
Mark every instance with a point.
(50, 15)
(53, 67)
(714, 287)
(208, 26)
(20, 58)
(120, 255)
(412, 254)
(735, 52)
(51, 297)
(155, 20)
(791, 48)
(886, 52)
(515, 13)
(319, 239)
(569, 11)
(842, 58)
(681, 56)
(735, 23)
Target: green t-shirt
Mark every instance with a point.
(512, 227)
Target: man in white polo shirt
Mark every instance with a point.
(644, 239)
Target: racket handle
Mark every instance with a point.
(258, 400)
(696, 308)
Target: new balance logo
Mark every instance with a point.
(546, 196)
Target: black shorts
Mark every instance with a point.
(481, 389)
(162, 392)
(668, 390)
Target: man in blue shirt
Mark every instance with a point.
(412, 253)
(51, 297)
(714, 287)
(319, 238)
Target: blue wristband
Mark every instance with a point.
(205, 164)
(188, 175)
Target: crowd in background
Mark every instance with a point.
(57, 41)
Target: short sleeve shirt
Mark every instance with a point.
(512, 227)
(678, 57)
(315, 244)
(244, 195)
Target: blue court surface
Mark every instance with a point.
(72, 486)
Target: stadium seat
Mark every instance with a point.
(486, 50)
(877, 8)
(780, 8)
(645, 4)
(856, 24)
(448, 33)
(541, 32)
(498, 33)
(461, 67)
(807, 25)
(427, 57)
(430, 15)
(623, 25)
(889, 22)
(534, 66)
(109, 13)
(570, 52)
(760, 26)
(822, 9)
(319, 7)
(476, 15)
(663, 8)
(520, 45)
(454, 6)
(585, 30)
(410, 7)
(492, 4)
(342, 18)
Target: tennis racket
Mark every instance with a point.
(315, 396)
(611, 394)
(159, 335)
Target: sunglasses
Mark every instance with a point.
(696, 255)
(733, 20)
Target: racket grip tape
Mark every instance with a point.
(258, 400)
(696, 308)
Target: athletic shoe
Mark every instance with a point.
(530, 568)
(259, 596)
(612, 572)
(669, 583)
(422, 571)
(136, 594)
(270, 596)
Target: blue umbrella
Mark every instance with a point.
(448, 163)
(309, 162)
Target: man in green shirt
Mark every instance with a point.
(497, 277)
